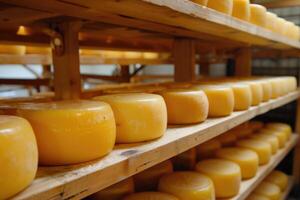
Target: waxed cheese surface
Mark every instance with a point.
(268, 190)
(278, 178)
(241, 9)
(224, 6)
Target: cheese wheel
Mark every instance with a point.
(200, 2)
(148, 179)
(207, 149)
(268, 190)
(257, 197)
(18, 155)
(242, 96)
(255, 125)
(63, 129)
(241, 9)
(220, 172)
(116, 191)
(258, 15)
(292, 83)
(267, 90)
(227, 139)
(139, 117)
(271, 21)
(272, 140)
(241, 131)
(263, 149)
(38, 50)
(221, 100)
(186, 160)
(12, 49)
(182, 101)
(256, 91)
(281, 127)
(150, 196)
(245, 158)
(187, 185)
(281, 136)
(278, 178)
(224, 6)
(276, 88)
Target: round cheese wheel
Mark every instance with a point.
(18, 155)
(200, 2)
(207, 149)
(257, 197)
(148, 179)
(222, 171)
(227, 139)
(263, 149)
(245, 158)
(241, 9)
(277, 88)
(150, 196)
(272, 140)
(292, 83)
(186, 160)
(281, 136)
(182, 101)
(268, 190)
(241, 131)
(242, 96)
(139, 117)
(278, 178)
(256, 91)
(258, 15)
(187, 185)
(221, 100)
(224, 6)
(12, 49)
(115, 192)
(64, 128)
(267, 90)
(281, 127)
(271, 21)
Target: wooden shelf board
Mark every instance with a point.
(249, 185)
(78, 181)
(288, 189)
(175, 18)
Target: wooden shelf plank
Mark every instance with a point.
(78, 181)
(249, 185)
(177, 18)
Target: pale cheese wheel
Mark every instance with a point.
(272, 140)
(268, 190)
(258, 15)
(63, 129)
(18, 155)
(276, 88)
(278, 178)
(148, 179)
(263, 149)
(182, 101)
(139, 116)
(245, 158)
(242, 96)
(187, 185)
(207, 149)
(241, 9)
(281, 136)
(223, 6)
(281, 127)
(256, 91)
(267, 90)
(116, 191)
(222, 171)
(200, 2)
(271, 21)
(150, 196)
(186, 160)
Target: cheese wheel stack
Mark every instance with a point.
(258, 15)
(223, 6)
(241, 9)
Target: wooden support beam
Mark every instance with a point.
(296, 163)
(243, 62)
(125, 73)
(205, 68)
(25, 82)
(67, 81)
(184, 58)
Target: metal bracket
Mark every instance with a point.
(57, 41)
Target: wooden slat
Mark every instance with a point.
(28, 82)
(249, 185)
(75, 182)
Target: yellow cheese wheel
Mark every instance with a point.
(150, 196)
(222, 171)
(278, 178)
(268, 190)
(224, 6)
(281, 127)
(276, 88)
(207, 149)
(148, 179)
(241, 9)
(263, 149)
(256, 91)
(258, 15)
(182, 101)
(242, 96)
(187, 185)
(200, 2)
(186, 160)
(292, 83)
(281, 136)
(38, 50)
(267, 90)
(139, 117)
(272, 140)
(63, 129)
(255, 125)
(116, 191)
(221, 100)
(245, 158)
(227, 139)
(12, 49)
(257, 197)
(18, 155)
(271, 21)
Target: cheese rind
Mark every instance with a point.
(242, 96)
(18, 155)
(281, 127)
(64, 128)
(272, 140)
(220, 172)
(139, 116)
(224, 6)
(258, 15)
(281, 136)
(268, 190)
(278, 178)
(256, 91)
(150, 196)
(187, 185)
(241, 9)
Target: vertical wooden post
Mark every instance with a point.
(67, 81)
(205, 68)
(296, 163)
(243, 62)
(125, 73)
(184, 59)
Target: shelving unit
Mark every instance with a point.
(180, 27)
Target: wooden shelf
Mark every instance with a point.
(168, 18)
(78, 181)
(249, 185)
(288, 189)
